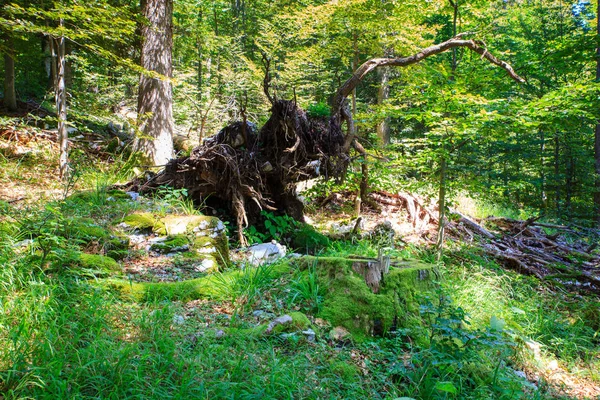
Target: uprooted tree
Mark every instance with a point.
(250, 169)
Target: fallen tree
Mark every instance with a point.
(564, 255)
(250, 170)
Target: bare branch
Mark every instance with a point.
(457, 41)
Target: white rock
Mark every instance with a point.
(310, 335)
(158, 239)
(265, 253)
(178, 320)
(205, 265)
(134, 195)
(206, 250)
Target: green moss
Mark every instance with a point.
(142, 220)
(350, 303)
(96, 261)
(117, 247)
(346, 371)
(8, 228)
(220, 244)
(206, 287)
(306, 238)
(173, 243)
(84, 229)
(299, 322)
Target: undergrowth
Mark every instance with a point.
(64, 336)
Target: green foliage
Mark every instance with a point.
(176, 200)
(318, 110)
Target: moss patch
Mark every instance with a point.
(306, 238)
(97, 261)
(350, 303)
(142, 221)
(84, 229)
(346, 371)
(206, 287)
(172, 244)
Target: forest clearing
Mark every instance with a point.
(300, 200)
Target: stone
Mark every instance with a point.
(339, 333)
(220, 333)
(265, 253)
(283, 320)
(310, 335)
(178, 320)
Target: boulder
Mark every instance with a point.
(265, 253)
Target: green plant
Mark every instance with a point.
(318, 110)
(276, 227)
(305, 291)
(176, 199)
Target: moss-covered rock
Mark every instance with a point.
(185, 224)
(142, 221)
(98, 261)
(117, 247)
(299, 322)
(350, 303)
(206, 287)
(207, 236)
(173, 244)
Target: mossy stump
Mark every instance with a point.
(355, 305)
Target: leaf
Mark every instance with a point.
(497, 324)
(447, 387)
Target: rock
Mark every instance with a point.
(310, 335)
(283, 320)
(206, 265)
(341, 229)
(178, 319)
(382, 234)
(172, 244)
(134, 195)
(339, 334)
(141, 220)
(206, 235)
(220, 333)
(265, 253)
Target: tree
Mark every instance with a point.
(92, 27)
(155, 99)
(10, 98)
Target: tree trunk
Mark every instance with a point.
(10, 97)
(61, 106)
(383, 127)
(155, 100)
(597, 133)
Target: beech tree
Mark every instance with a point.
(155, 99)
(10, 98)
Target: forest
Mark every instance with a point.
(310, 199)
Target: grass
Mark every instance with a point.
(65, 336)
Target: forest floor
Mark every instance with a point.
(72, 329)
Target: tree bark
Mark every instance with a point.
(597, 134)
(61, 106)
(155, 100)
(383, 127)
(10, 97)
